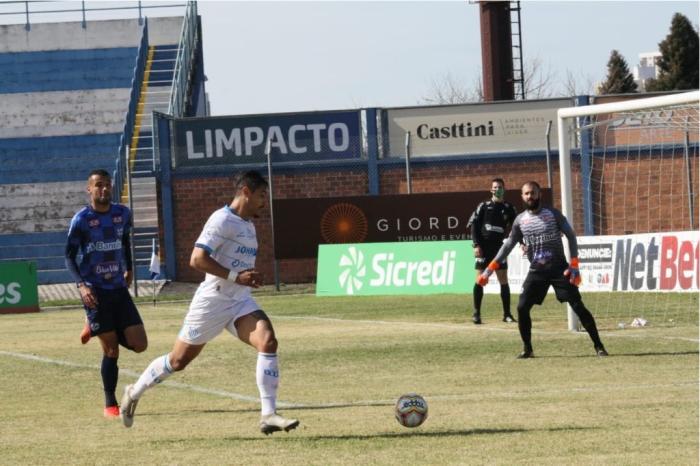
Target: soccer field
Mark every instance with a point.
(344, 361)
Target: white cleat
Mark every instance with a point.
(128, 407)
(274, 423)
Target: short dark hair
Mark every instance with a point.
(251, 179)
(100, 172)
(499, 180)
(533, 184)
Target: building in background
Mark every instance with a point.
(647, 68)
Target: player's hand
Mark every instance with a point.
(250, 277)
(477, 251)
(523, 249)
(129, 277)
(483, 277)
(88, 297)
(573, 272)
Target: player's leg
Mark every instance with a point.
(534, 291)
(157, 371)
(478, 294)
(109, 371)
(255, 329)
(566, 292)
(130, 329)
(502, 275)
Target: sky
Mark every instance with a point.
(269, 57)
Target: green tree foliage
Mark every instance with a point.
(619, 80)
(678, 64)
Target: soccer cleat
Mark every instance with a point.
(527, 354)
(128, 407)
(111, 412)
(274, 423)
(85, 334)
(600, 351)
(476, 318)
(509, 318)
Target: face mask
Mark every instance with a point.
(499, 193)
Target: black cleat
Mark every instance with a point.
(509, 318)
(526, 355)
(600, 351)
(476, 318)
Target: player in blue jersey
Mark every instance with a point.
(100, 232)
(226, 251)
(540, 229)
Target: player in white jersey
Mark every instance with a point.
(225, 251)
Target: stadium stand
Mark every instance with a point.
(74, 95)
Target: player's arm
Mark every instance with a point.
(126, 249)
(476, 230)
(572, 271)
(202, 261)
(70, 255)
(514, 238)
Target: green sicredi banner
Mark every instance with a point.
(420, 267)
(18, 288)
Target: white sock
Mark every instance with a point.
(267, 376)
(155, 373)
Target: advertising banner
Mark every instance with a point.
(200, 142)
(474, 129)
(301, 225)
(18, 288)
(664, 262)
(429, 267)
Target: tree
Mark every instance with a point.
(619, 80)
(678, 65)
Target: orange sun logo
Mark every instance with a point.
(343, 223)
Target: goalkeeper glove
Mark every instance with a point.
(483, 277)
(573, 273)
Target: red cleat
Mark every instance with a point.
(85, 334)
(111, 412)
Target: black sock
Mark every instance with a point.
(525, 326)
(110, 373)
(588, 322)
(505, 299)
(478, 296)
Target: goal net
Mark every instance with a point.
(629, 186)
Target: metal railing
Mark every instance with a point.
(136, 83)
(183, 63)
(54, 8)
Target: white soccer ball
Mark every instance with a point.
(411, 410)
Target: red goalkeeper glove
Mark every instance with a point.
(573, 273)
(483, 277)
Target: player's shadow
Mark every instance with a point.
(423, 433)
(618, 355)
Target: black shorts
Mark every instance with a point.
(537, 284)
(115, 311)
(488, 252)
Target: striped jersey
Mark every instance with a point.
(541, 233)
(103, 240)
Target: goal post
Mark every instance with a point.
(623, 145)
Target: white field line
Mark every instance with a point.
(285, 404)
(480, 328)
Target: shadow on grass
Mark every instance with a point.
(406, 434)
(622, 355)
(256, 410)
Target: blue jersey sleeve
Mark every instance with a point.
(73, 247)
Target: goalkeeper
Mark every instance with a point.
(540, 229)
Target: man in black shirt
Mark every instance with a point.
(491, 221)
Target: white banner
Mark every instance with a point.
(665, 262)
(475, 128)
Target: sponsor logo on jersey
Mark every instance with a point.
(117, 219)
(102, 246)
(246, 250)
(95, 222)
(107, 267)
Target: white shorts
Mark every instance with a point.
(209, 315)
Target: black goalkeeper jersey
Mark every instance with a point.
(491, 220)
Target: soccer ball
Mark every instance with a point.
(411, 410)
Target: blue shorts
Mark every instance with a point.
(115, 311)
